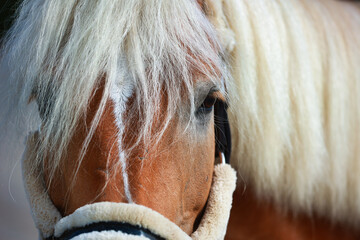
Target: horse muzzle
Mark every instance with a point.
(110, 220)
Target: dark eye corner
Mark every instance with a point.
(208, 104)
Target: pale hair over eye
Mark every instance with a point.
(136, 41)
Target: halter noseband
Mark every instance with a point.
(126, 221)
(108, 226)
(223, 150)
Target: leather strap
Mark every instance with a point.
(107, 226)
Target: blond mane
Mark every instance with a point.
(295, 112)
(58, 52)
(294, 97)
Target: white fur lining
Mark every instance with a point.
(121, 212)
(49, 222)
(43, 211)
(213, 225)
(108, 235)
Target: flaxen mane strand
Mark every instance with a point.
(296, 125)
(60, 50)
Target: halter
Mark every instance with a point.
(110, 220)
(223, 150)
(125, 228)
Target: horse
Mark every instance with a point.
(128, 104)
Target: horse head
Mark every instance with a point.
(126, 93)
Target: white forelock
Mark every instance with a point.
(60, 51)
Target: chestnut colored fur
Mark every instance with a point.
(173, 178)
(294, 107)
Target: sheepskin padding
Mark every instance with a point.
(212, 226)
(49, 222)
(108, 235)
(43, 211)
(214, 223)
(121, 212)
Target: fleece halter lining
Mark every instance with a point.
(223, 149)
(51, 224)
(87, 221)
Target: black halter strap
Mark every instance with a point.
(222, 130)
(107, 226)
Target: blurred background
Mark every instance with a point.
(15, 217)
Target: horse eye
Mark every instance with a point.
(208, 104)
